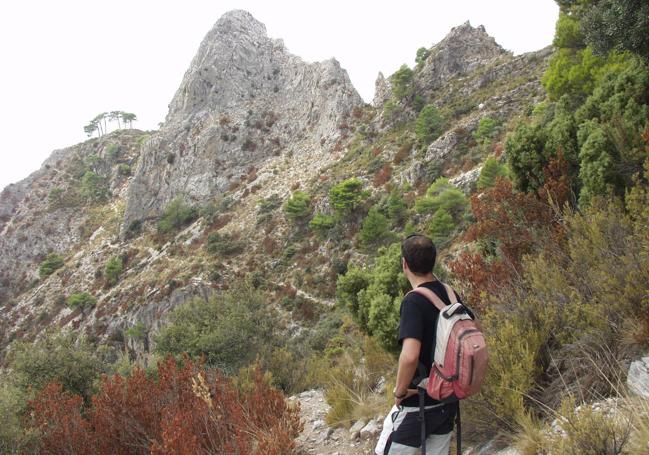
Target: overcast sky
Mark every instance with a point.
(65, 61)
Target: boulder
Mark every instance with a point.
(638, 377)
(355, 430)
(370, 430)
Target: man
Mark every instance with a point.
(418, 322)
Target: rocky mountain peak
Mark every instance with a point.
(227, 55)
(243, 100)
(238, 21)
(464, 49)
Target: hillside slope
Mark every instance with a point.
(249, 124)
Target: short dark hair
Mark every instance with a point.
(420, 253)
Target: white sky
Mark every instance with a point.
(64, 61)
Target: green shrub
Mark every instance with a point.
(346, 196)
(514, 346)
(568, 32)
(134, 228)
(136, 332)
(442, 195)
(389, 109)
(595, 171)
(324, 330)
(322, 223)
(62, 357)
(348, 287)
(422, 55)
(112, 151)
(402, 86)
(587, 429)
(441, 226)
(375, 229)
(525, 148)
(93, 188)
(230, 329)
(92, 160)
(51, 263)
(298, 207)
(81, 300)
(613, 25)
(176, 215)
(485, 131)
(576, 72)
(14, 438)
(599, 132)
(143, 139)
(430, 124)
(269, 204)
(55, 198)
(618, 109)
(373, 295)
(582, 287)
(223, 244)
(397, 209)
(491, 169)
(124, 169)
(113, 269)
(418, 103)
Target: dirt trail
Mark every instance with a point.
(319, 439)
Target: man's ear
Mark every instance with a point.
(404, 264)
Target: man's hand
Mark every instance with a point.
(409, 393)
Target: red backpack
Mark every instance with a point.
(460, 357)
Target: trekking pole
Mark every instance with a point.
(422, 417)
(458, 421)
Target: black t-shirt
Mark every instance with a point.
(419, 320)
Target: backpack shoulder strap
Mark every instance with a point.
(452, 296)
(431, 296)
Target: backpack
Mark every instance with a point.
(460, 357)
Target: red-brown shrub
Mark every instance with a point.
(57, 414)
(513, 223)
(185, 411)
(382, 176)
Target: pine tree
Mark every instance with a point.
(491, 169)
(441, 226)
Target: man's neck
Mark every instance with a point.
(416, 280)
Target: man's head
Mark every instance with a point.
(419, 253)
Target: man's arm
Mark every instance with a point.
(408, 360)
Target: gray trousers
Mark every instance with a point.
(401, 434)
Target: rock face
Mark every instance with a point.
(462, 51)
(45, 212)
(382, 91)
(638, 377)
(243, 99)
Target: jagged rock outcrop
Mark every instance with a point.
(467, 181)
(463, 50)
(382, 91)
(244, 99)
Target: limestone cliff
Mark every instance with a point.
(243, 99)
(47, 211)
